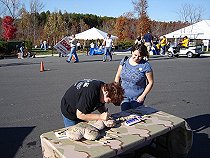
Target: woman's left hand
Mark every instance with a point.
(140, 99)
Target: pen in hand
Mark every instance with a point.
(108, 115)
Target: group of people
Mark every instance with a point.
(146, 39)
(107, 44)
(159, 45)
(132, 83)
(23, 51)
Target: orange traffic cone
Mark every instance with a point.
(73, 58)
(41, 66)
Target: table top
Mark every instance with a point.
(123, 137)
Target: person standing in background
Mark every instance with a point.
(138, 40)
(22, 46)
(108, 42)
(73, 43)
(163, 42)
(78, 45)
(45, 44)
(148, 40)
(98, 43)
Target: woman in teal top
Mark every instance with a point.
(136, 77)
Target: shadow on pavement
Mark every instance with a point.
(201, 141)
(12, 139)
(94, 60)
(16, 64)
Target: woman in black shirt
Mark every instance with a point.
(86, 96)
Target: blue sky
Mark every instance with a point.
(160, 10)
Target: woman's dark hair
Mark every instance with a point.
(115, 92)
(138, 38)
(109, 35)
(142, 50)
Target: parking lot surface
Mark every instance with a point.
(30, 99)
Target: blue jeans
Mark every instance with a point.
(163, 50)
(130, 103)
(107, 52)
(68, 122)
(73, 52)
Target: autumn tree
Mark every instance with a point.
(83, 26)
(35, 7)
(108, 25)
(54, 29)
(24, 25)
(161, 28)
(144, 23)
(1, 28)
(9, 8)
(9, 28)
(125, 27)
(120, 31)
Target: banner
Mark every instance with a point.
(63, 46)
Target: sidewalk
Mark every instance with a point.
(47, 55)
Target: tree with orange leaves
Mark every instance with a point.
(144, 23)
(124, 28)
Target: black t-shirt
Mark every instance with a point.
(84, 96)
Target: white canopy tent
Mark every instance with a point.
(199, 30)
(93, 34)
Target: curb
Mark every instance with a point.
(116, 53)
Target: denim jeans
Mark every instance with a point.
(73, 52)
(163, 50)
(68, 122)
(107, 52)
(130, 103)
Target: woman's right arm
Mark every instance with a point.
(88, 117)
(117, 77)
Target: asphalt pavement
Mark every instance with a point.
(30, 99)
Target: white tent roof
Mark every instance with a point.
(94, 34)
(199, 30)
